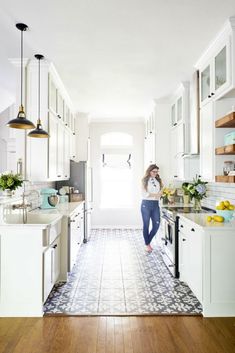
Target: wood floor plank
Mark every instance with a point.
(101, 336)
(117, 335)
(110, 339)
(128, 347)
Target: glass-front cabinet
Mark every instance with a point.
(220, 73)
(215, 75)
(205, 83)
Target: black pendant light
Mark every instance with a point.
(21, 122)
(38, 132)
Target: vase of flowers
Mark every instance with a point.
(168, 195)
(10, 182)
(197, 191)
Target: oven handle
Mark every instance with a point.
(169, 220)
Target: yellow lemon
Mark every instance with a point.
(226, 203)
(219, 208)
(231, 207)
(209, 218)
(218, 218)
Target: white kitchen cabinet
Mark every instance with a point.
(76, 235)
(207, 142)
(177, 151)
(216, 65)
(51, 267)
(207, 263)
(59, 149)
(190, 257)
(53, 163)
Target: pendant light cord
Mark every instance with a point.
(21, 71)
(39, 84)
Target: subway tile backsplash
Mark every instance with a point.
(216, 192)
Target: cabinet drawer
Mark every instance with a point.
(187, 227)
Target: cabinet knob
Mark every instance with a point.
(184, 239)
(72, 220)
(54, 246)
(59, 116)
(212, 93)
(66, 124)
(181, 226)
(209, 96)
(192, 230)
(175, 176)
(73, 133)
(73, 156)
(58, 176)
(66, 176)
(78, 226)
(174, 124)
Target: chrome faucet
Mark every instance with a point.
(24, 205)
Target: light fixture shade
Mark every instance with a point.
(20, 122)
(38, 132)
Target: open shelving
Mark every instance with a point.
(227, 121)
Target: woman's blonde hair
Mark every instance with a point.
(147, 176)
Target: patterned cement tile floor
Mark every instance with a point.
(114, 275)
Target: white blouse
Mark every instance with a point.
(153, 187)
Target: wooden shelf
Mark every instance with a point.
(229, 149)
(225, 178)
(226, 121)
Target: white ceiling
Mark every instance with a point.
(114, 56)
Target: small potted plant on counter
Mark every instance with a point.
(10, 182)
(168, 195)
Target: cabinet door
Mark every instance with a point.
(60, 106)
(55, 253)
(173, 115)
(53, 126)
(66, 167)
(52, 96)
(207, 142)
(195, 262)
(179, 109)
(205, 83)
(47, 272)
(183, 257)
(60, 151)
(222, 68)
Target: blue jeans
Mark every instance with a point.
(150, 210)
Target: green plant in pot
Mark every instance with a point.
(10, 182)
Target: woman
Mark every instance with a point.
(152, 191)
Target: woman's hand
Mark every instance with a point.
(158, 195)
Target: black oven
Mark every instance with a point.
(170, 244)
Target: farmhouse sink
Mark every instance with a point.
(48, 224)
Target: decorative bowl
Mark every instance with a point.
(227, 214)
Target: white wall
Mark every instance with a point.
(117, 217)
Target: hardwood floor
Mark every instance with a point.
(152, 334)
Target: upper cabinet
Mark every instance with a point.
(57, 118)
(180, 105)
(216, 66)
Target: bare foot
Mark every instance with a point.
(151, 247)
(148, 248)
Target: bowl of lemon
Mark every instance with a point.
(226, 210)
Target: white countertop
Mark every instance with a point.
(65, 209)
(201, 220)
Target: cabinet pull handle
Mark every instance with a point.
(181, 226)
(193, 230)
(54, 246)
(184, 239)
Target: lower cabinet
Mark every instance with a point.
(190, 257)
(51, 267)
(75, 236)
